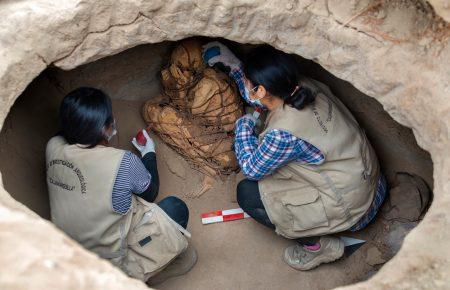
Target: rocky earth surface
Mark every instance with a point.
(442, 8)
(396, 51)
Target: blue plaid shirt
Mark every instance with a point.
(279, 147)
(276, 149)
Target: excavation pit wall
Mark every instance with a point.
(132, 77)
(398, 75)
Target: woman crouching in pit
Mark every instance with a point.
(103, 197)
(311, 172)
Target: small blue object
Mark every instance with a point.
(210, 53)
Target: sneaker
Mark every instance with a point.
(300, 258)
(179, 266)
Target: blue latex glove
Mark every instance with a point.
(215, 52)
(210, 53)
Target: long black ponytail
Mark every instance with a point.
(278, 73)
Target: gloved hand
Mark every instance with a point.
(249, 118)
(148, 147)
(215, 52)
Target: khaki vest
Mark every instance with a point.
(311, 200)
(80, 182)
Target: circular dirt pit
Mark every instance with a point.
(372, 56)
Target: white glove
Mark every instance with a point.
(224, 55)
(149, 146)
(255, 121)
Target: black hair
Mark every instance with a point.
(279, 74)
(83, 115)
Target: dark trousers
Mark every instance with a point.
(249, 199)
(172, 205)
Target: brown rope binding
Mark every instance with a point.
(204, 116)
(203, 160)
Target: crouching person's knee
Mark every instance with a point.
(176, 209)
(245, 189)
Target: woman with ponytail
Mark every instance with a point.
(311, 172)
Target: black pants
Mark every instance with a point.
(172, 205)
(249, 199)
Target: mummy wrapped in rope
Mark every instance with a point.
(199, 118)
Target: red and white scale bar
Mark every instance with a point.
(219, 216)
